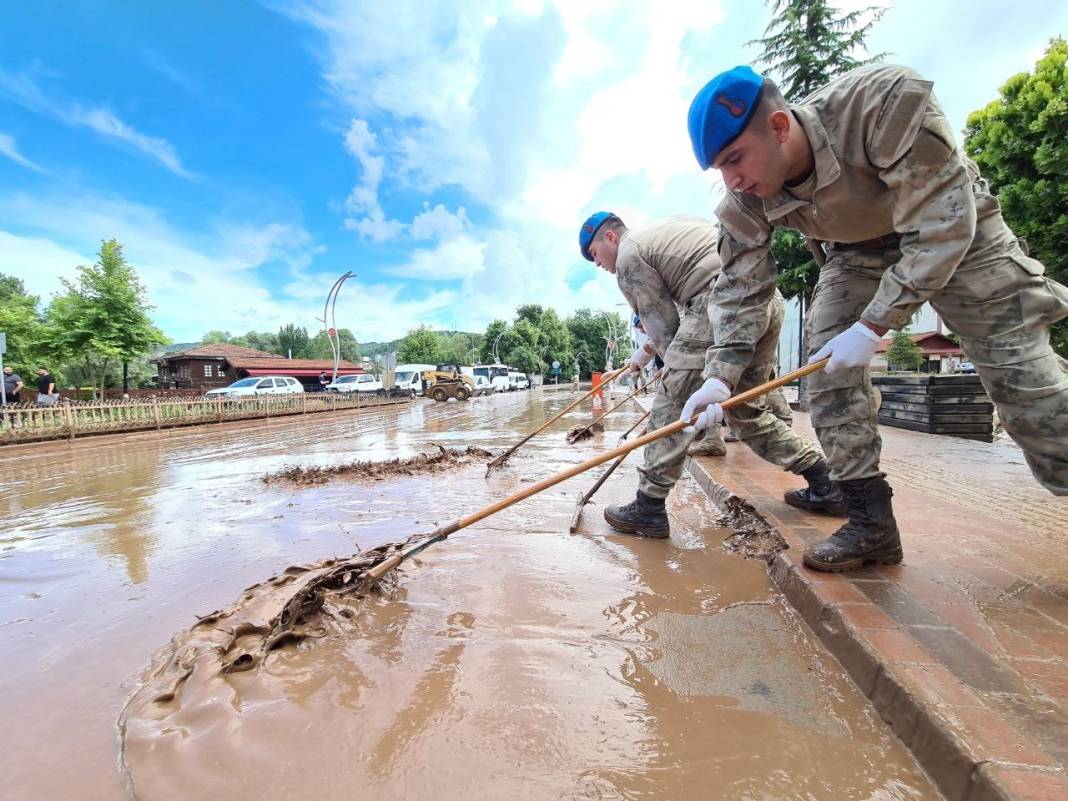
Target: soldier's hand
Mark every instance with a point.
(639, 359)
(854, 347)
(707, 400)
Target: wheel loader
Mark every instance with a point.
(448, 382)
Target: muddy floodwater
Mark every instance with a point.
(514, 660)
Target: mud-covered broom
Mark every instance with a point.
(605, 380)
(582, 432)
(585, 497)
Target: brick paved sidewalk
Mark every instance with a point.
(963, 649)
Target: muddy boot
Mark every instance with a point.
(643, 516)
(870, 535)
(730, 436)
(821, 495)
(710, 444)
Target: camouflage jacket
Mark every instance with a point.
(660, 268)
(885, 162)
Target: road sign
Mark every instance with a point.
(556, 364)
(3, 343)
(332, 332)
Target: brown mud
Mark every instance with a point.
(443, 459)
(512, 660)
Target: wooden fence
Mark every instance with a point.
(67, 420)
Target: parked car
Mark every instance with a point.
(250, 387)
(356, 383)
(482, 386)
(517, 380)
(966, 367)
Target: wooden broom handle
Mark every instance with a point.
(605, 380)
(443, 532)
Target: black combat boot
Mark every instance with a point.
(643, 516)
(870, 535)
(821, 495)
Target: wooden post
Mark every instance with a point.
(155, 412)
(68, 417)
(219, 412)
(303, 404)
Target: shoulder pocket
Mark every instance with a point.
(899, 121)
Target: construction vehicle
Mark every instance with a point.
(448, 381)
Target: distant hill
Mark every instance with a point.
(375, 348)
(174, 346)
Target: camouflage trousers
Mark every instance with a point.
(753, 423)
(1000, 304)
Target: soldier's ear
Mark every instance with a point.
(779, 123)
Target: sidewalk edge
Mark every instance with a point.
(940, 720)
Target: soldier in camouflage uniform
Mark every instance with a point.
(868, 167)
(666, 272)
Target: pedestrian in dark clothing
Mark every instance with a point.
(12, 385)
(46, 386)
(323, 381)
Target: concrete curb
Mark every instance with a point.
(969, 751)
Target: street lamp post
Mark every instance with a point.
(496, 358)
(329, 309)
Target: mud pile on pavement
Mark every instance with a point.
(443, 459)
(579, 433)
(753, 538)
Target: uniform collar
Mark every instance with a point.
(826, 165)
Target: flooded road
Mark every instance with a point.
(513, 660)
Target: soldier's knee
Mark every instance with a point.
(837, 402)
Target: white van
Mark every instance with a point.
(409, 377)
(496, 373)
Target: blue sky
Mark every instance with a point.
(248, 153)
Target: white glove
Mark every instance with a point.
(854, 347)
(639, 359)
(708, 398)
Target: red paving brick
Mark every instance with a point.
(963, 648)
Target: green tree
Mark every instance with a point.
(266, 341)
(420, 346)
(556, 342)
(293, 341)
(102, 318)
(805, 45)
(904, 353)
(808, 42)
(20, 319)
(490, 341)
(319, 346)
(1020, 142)
(589, 330)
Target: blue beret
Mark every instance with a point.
(721, 110)
(589, 230)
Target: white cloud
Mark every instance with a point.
(22, 89)
(439, 222)
(10, 149)
(458, 257)
(160, 64)
(197, 281)
(369, 219)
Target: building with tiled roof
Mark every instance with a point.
(218, 364)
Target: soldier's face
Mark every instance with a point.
(754, 163)
(604, 251)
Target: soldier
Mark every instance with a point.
(666, 272)
(868, 165)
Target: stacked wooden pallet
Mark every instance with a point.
(955, 405)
